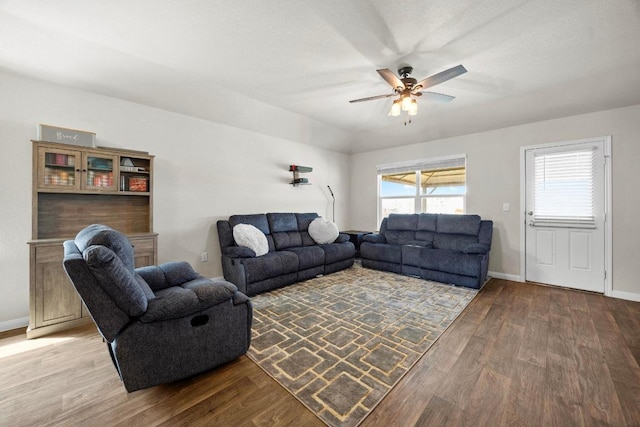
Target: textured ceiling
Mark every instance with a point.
(526, 60)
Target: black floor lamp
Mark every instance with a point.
(334, 204)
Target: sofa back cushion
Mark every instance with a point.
(400, 237)
(454, 242)
(257, 220)
(401, 228)
(402, 222)
(427, 222)
(458, 224)
(103, 235)
(304, 219)
(284, 229)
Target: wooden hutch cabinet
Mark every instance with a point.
(74, 187)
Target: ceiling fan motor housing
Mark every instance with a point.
(405, 71)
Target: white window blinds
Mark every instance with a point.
(423, 164)
(563, 191)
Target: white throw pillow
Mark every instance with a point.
(323, 231)
(250, 237)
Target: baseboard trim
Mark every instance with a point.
(9, 325)
(504, 276)
(631, 296)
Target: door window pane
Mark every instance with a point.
(563, 189)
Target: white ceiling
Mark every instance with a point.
(527, 60)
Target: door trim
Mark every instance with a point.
(608, 259)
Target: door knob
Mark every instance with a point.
(532, 223)
(530, 213)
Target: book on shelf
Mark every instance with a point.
(132, 169)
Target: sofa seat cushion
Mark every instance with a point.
(412, 255)
(192, 297)
(271, 265)
(381, 252)
(336, 252)
(448, 261)
(308, 256)
(168, 274)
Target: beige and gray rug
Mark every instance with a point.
(339, 343)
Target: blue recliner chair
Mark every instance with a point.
(161, 323)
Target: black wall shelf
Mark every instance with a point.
(297, 170)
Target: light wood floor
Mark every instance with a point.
(519, 355)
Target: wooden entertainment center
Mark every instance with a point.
(73, 187)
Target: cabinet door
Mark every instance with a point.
(144, 250)
(99, 172)
(56, 299)
(58, 169)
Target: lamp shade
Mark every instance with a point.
(406, 103)
(395, 108)
(413, 108)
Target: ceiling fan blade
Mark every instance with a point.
(441, 77)
(370, 98)
(438, 97)
(391, 78)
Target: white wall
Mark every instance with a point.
(493, 178)
(204, 171)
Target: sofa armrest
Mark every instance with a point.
(238, 252)
(477, 248)
(342, 237)
(374, 238)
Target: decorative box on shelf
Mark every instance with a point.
(66, 136)
(134, 183)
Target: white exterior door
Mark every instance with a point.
(565, 215)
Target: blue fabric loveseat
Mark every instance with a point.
(440, 247)
(293, 255)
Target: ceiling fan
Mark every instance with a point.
(408, 89)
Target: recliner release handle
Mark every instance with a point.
(199, 320)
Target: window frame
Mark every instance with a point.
(417, 167)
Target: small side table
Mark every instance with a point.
(355, 237)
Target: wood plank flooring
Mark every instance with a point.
(519, 355)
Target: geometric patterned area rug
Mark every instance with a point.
(339, 343)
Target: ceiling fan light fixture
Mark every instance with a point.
(413, 108)
(406, 102)
(395, 108)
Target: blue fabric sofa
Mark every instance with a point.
(440, 247)
(293, 255)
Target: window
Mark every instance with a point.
(432, 185)
(563, 190)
